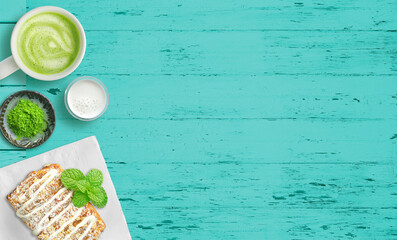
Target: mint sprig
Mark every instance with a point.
(86, 188)
(70, 177)
(80, 199)
(83, 185)
(95, 177)
(98, 197)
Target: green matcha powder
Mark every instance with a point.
(26, 119)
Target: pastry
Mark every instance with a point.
(45, 206)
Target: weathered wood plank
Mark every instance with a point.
(263, 223)
(234, 141)
(262, 185)
(10, 155)
(231, 15)
(11, 11)
(241, 53)
(257, 97)
(306, 201)
(17, 78)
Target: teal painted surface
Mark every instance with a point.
(11, 11)
(239, 120)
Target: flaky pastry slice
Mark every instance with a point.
(45, 206)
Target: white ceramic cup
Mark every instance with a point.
(14, 62)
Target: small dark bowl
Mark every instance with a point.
(43, 102)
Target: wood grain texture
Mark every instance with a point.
(241, 53)
(241, 120)
(232, 15)
(11, 11)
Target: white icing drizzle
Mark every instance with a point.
(47, 178)
(76, 215)
(42, 206)
(40, 227)
(52, 173)
(92, 220)
(53, 220)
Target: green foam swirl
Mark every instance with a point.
(48, 43)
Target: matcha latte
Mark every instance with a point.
(48, 43)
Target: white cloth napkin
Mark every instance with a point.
(84, 155)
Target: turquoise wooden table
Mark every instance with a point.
(237, 119)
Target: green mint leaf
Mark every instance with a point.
(80, 199)
(98, 196)
(95, 177)
(83, 185)
(70, 177)
(100, 204)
